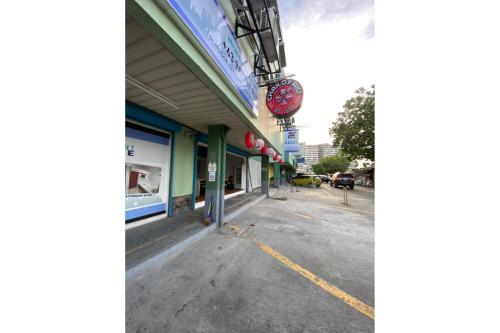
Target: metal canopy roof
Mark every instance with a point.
(260, 19)
(157, 80)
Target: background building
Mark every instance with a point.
(326, 150)
(314, 153)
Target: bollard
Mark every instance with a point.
(345, 196)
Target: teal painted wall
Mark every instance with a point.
(183, 165)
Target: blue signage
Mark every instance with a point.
(207, 21)
(292, 140)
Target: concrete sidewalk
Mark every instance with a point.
(293, 263)
(148, 240)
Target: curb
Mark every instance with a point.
(167, 254)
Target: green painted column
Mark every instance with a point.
(277, 175)
(195, 170)
(264, 174)
(170, 208)
(247, 170)
(216, 172)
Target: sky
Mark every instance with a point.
(329, 46)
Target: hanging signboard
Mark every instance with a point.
(292, 140)
(284, 98)
(210, 26)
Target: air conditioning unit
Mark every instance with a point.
(266, 33)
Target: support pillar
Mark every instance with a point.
(264, 175)
(170, 208)
(277, 175)
(247, 170)
(195, 170)
(216, 155)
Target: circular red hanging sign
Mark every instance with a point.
(284, 97)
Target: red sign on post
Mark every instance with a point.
(284, 97)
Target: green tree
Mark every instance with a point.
(354, 130)
(332, 164)
(318, 169)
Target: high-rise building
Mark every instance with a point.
(326, 150)
(314, 153)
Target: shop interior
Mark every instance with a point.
(142, 179)
(234, 180)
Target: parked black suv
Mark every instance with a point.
(342, 179)
(324, 179)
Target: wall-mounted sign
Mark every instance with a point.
(284, 97)
(212, 166)
(210, 26)
(211, 176)
(292, 140)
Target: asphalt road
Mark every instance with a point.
(301, 262)
(360, 198)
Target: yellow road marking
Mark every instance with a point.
(331, 289)
(301, 215)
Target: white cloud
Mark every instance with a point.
(299, 12)
(331, 59)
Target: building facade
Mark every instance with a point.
(193, 89)
(326, 150)
(314, 153)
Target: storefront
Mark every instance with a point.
(147, 160)
(235, 181)
(197, 81)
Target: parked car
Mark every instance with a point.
(308, 180)
(342, 179)
(324, 178)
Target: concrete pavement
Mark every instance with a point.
(253, 276)
(148, 240)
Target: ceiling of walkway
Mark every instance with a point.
(157, 80)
